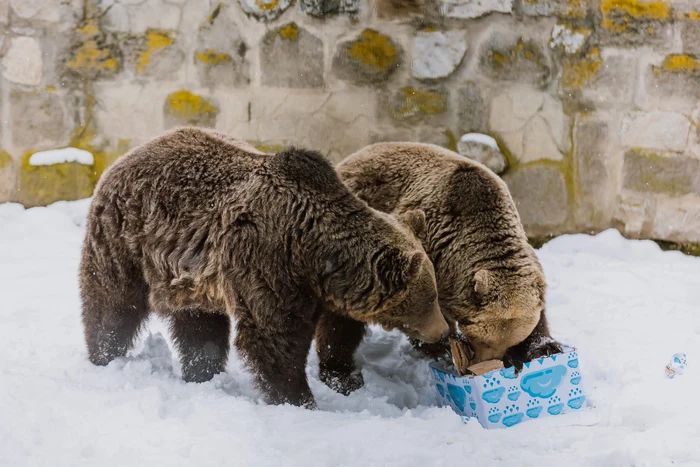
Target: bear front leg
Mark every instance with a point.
(537, 345)
(337, 339)
(439, 349)
(202, 339)
(277, 358)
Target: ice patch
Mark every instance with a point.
(59, 156)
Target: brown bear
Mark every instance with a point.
(489, 279)
(199, 227)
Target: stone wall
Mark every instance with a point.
(594, 103)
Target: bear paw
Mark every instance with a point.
(544, 348)
(342, 382)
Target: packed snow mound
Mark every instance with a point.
(479, 138)
(626, 305)
(59, 156)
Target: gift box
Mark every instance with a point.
(545, 387)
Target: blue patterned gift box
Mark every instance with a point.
(546, 386)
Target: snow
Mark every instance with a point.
(479, 138)
(562, 36)
(626, 305)
(59, 156)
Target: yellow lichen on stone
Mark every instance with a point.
(268, 148)
(413, 101)
(185, 105)
(212, 57)
(374, 50)
(91, 56)
(502, 59)
(681, 63)
(579, 71)
(618, 15)
(266, 5)
(289, 32)
(154, 40)
(451, 140)
(5, 159)
(45, 184)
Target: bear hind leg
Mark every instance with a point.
(337, 339)
(202, 339)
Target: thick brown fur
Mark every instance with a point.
(199, 227)
(489, 279)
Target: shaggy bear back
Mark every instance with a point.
(197, 226)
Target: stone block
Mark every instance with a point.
(677, 219)
(154, 55)
(8, 177)
(153, 14)
(660, 173)
(22, 63)
(437, 54)
(483, 149)
(655, 130)
(560, 8)
(93, 54)
(690, 35)
(412, 104)
(569, 39)
(399, 9)
(265, 10)
(468, 9)
(604, 79)
(38, 120)
(471, 109)
(595, 183)
(508, 58)
(633, 214)
(532, 124)
(322, 8)
(38, 10)
(116, 19)
(370, 58)
(540, 196)
(220, 54)
(4, 12)
(675, 84)
(291, 57)
(185, 108)
(382, 135)
(634, 22)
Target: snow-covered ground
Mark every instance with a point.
(626, 305)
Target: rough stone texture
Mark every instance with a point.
(541, 197)
(664, 173)
(38, 120)
(155, 54)
(22, 64)
(634, 22)
(152, 14)
(186, 108)
(4, 11)
(656, 130)
(594, 180)
(672, 85)
(471, 109)
(532, 124)
(42, 185)
(569, 39)
(8, 177)
(220, 54)
(291, 57)
(565, 8)
(265, 10)
(508, 58)
(677, 219)
(370, 58)
(414, 104)
(321, 8)
(634, 214)
(603, 80)
(466, 9)
(491, 157)
(399, 9)
(93, 55)
(40, 10)
(437, 54)
(690, 35)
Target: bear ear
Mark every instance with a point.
(482, 282)
(396, 269)
(415, 220)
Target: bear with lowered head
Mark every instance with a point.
(199, 228)
(490, 283)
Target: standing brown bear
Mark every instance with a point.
(489, 279)
(197, 227)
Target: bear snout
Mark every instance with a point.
(435, 327)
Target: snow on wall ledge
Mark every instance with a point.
(593, 104)
(60, 156)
